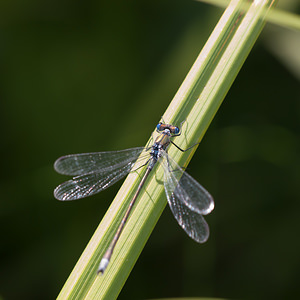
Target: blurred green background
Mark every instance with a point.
(84, 76)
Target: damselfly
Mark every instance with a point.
(94, 172)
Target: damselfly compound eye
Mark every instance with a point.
(159, 127)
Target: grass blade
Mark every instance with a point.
(197, 101)
(276, 16)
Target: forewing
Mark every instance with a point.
(185, 189)
(79, 164)
(91, 183)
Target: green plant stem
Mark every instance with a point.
(276, 16)
(196, 102)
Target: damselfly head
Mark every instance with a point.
(173, 129)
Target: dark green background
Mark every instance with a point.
(83, 76)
